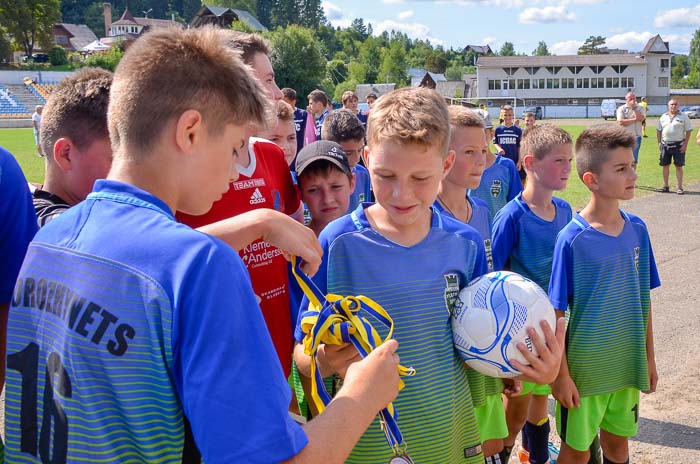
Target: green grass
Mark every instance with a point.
(20, 142)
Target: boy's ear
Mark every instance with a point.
(365, 156)
(63, 152)
(448, 162)
(590, 180)
(528, 161)
(189, 128)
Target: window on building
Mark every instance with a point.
(571, 102)
(627, 82)
(567, 83)
(494, 84)
(552, 83)
(619, 68)
(532, 70)
(612, 83)
(575, 69)
(663, 81)
(583, 83)
(553, 69)
(538, 83)
(597, 69)
(523, 84)
(510, 71)
(664, 62)
(594, 101)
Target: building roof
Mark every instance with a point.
(479, 49)
(224, 14)
(362, 90)
(249, 19)
(127, 19)
(685, 92)
(559, 60)
(81, 35)
(656, 45)
(156, 23)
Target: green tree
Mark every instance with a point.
(263, 11)
(248, 5)
(592, 45)
(456, 73)
(311, 14)
(358, 26)
(359, 72)
(342, 88)
(94, 18)
(5, 46)
(371, 59)
(336, 71)
(436, 62)
(296, 58)
(107, 60)
(393, 68)
(241, 26)
(507, 49)
(58, 56)
(541, 49)
(284, 13)
(679, 71)
(693, 80)
(30, 21)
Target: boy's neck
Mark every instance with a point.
(317, 227)
(505, 124)
(149, 176)
(490, 159)
(539, 199)
(406, 235)
(603, 214)
(454, 199)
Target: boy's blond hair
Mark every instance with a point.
(77, 109)
(341, 126)
(285, 112)
(594, 144)
(540, 140)
(506, 108)
(347, 96)
(170, 71)
(410, 116)
(465, 117)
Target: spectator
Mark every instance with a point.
(36, 127)
(673, 133)
(630, 116)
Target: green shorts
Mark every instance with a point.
(535, 389)
(616, 413)
(491, 418)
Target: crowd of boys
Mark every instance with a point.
(149, 340)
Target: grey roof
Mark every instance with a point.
(249, 19)
(82, 35)
(416, 72)
(362, 90)
(562, 60)
(650, 44)
(685, 91)
(217, 10)
(155, 23)
(449, 88)
(479, 49)
(437, 77)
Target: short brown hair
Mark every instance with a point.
(371, 95)
(249, 45)
(529, 113)
(318, 96)
(342, 125)
(540, 140)
(289, 94)
(169, 71)
(506, 108)
(411, 115)
(464, 117)
(77, 109)
(285, 112)
(594, 144)
(348, 95)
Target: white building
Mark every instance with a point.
(575, 85)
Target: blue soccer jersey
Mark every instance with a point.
(605, 283)
(17, 222)
(363, 188)
(300, 117)
(524, 242)
(319, 123)
(500, 183)
(508, 137)
(123, 323)
(417, 286)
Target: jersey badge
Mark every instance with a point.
(636, 259)
(496, 188)
(451, 290)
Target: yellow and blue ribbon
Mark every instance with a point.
(334, 320)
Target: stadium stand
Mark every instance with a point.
(10, 107)
(40, 90)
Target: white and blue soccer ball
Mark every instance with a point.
(491, 315)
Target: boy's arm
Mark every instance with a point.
(564, 389)
(503, 240)
(499, 149)
(274, 227)
(651, 358)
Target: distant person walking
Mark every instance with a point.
(673, 133)
(631, 116)
(643, 103)
(36, 125)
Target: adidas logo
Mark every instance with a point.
(256, 198)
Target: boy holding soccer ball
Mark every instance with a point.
(468, 141)
(412, 260)
(603, 271)
(524, 233)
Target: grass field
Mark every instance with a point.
(20, 142)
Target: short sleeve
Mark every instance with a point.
(561, 286)
(504, 238)
(515, 185)
(17, 222)
(226, 371)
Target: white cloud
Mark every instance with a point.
(404, 15)
(548, 14)
(335, 15)
(413, 30)
(566, 47)
(632, 41)
(688, 17)
(392, 2)
(487, 41)
(679, 43)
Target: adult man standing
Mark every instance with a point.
(36, 126)
(673, 133)
(631, 116)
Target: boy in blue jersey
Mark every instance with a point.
(500, 183)
(507, 137)
(524, 233)
(603, 272)
(412, 261)
(318, 107)
(131, 323)
(470, 144)
(343, 128)
(305, 132)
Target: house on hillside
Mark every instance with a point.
(128, 27)
(362, 90)
(479, 49)
(430, 80)
(575, 85)
(223, 17)
(73, 37)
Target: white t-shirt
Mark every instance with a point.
(673, 128)
(36, 117)
(625, 112)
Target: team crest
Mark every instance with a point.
(451, 290)
(489, 254)
(636, 259)
(496, 188)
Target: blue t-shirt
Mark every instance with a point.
(363, 188)
(363, 118)
(605, 283)
(524, 242)
(509, 139)
(319, 123)
(417, 286)
(17, 222)
(300, 117)
(141, 321)
(500, 183)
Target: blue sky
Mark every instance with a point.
(563, 24)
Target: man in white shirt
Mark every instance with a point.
(36, 125)
(673, 133)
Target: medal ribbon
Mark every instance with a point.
(333, 320)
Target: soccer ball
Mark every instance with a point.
(491, 316)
